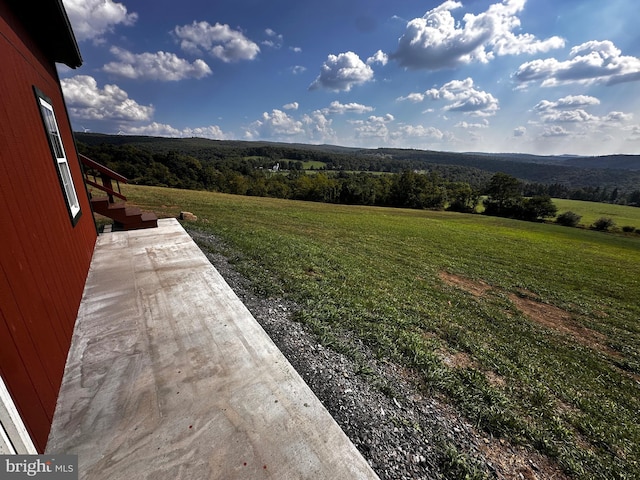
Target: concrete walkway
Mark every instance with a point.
(170, 377)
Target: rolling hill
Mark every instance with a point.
(608, 172)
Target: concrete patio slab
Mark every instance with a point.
(170, 377)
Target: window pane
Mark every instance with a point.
(55, 141)
(54, 135)
(67, 183)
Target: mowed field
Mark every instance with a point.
(532, 330)
(592, 211)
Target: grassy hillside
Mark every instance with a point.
(591, 211)
(529, 329)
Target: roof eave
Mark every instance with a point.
(72, 57)
(49, 25)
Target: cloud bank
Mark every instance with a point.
(461, 96)
(91, 19)
(156, 129)
(220, 40)
(160, 66)
(591, 62)
(436, 40)
(86, 100)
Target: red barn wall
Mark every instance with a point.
(44, 259)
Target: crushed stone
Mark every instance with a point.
(403, 431)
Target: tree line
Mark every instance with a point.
(438, 187)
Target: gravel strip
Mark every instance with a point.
(402, 432)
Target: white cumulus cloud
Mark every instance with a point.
(519, 131)
(415, 97)
(219, 40)
(574, 124)
(276, 124)
(91, 19)
(341, 108)
(462, 96)
(86, 100)
(378, 57)
(418, 131)
(590, 62)
(617, 117)
(374, 127)
(156, 129)
(279, 125)
(161, 66)
(341, 72)
(569, 116)
(318, 127)
(274, 40)
(473, 126)
(437, 40)
(568, 102)
(291, 106)
(555, 131)
(572, 110)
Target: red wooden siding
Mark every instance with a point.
(44, 259)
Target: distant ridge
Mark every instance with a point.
(610, 171)
(617, 161)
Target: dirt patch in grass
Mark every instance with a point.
(477, 288)
(463, 360)
(516, 462)
(456, 359)
(495, 379)
(549, 316)
(562, 321)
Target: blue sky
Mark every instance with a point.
(533, 76)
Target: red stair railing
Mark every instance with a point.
(93, 171)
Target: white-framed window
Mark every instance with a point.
(57, 150)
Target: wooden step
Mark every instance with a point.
(99, 202)
(125, 217)
(144, 220)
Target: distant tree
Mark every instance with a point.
(405, 190)
(278, 187)
(462, 198)
(568, 219)
(634, 198)
(257, 184)
(236, 183)
(359, 189)
(557, 190)
(504, 196)
(538, 208)
(416, 190)
(160, 175)
(614, 195)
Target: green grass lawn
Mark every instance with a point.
(313, 164)
(563, 378)
(591, 211)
